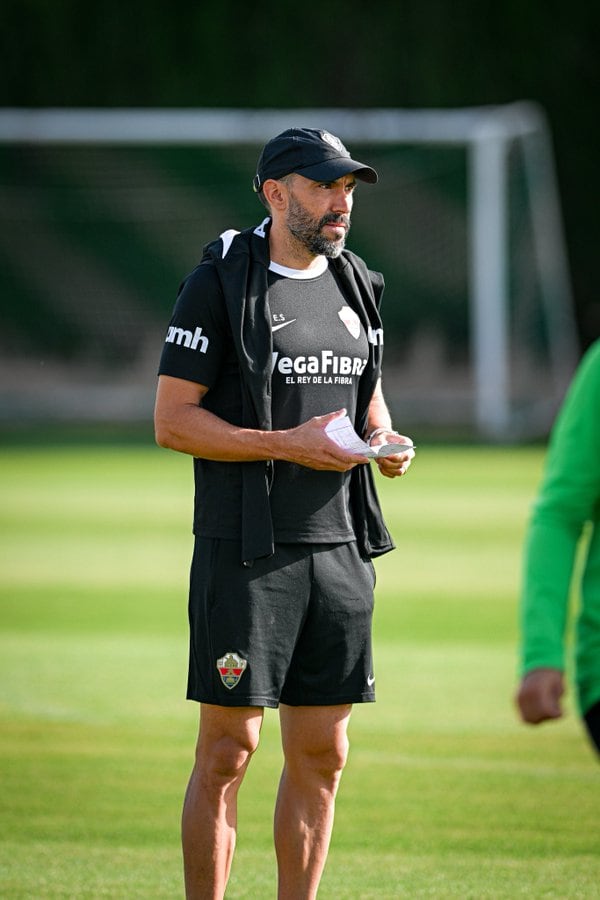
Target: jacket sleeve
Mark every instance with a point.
(568, 498)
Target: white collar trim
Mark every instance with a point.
(300, 274)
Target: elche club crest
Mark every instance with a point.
(350, 320)
(231, 668)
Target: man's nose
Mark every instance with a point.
(342, 201)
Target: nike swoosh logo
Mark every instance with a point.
(282, 325)
(370, 680)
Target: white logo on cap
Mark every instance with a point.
(333, 141)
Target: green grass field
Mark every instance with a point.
(446, 794)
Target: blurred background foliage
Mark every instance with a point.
(272, 54)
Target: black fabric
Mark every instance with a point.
(295, 629)
(314, 154)
(245, 290)
(319, 356)
(366, 289)
(243, 276)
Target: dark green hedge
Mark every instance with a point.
(398, 54)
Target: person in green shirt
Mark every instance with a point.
(562, 561)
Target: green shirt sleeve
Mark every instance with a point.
(569, 496)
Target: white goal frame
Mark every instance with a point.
(486, 132)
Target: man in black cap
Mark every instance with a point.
(271, 363)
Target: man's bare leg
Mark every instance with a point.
(227, 739)
(315, 746)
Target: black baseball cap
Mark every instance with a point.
(310, 152)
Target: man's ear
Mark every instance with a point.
(275, 193)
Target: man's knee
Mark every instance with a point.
(325, 761)
(225, 747)
(226, 757)
(331, 760)
(315, 743)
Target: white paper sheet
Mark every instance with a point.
(342, 432)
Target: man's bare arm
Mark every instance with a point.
(182, 424)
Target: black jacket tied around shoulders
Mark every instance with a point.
(241, 260)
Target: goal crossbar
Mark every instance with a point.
(215, 126)
(487, 133)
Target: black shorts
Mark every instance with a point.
(294, 628)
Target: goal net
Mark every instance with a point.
(102, 212)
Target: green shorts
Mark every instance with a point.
(294, 628)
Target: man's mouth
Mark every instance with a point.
(338, 224)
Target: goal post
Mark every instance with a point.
(491, 138)
(492, 135)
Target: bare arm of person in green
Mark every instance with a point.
(567, 508)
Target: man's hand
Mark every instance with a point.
(396, 465)
(538, 697)
(309, 445)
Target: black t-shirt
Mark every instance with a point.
(319, 353)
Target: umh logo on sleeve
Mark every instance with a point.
(183, 338)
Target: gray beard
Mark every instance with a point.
(308, 230)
